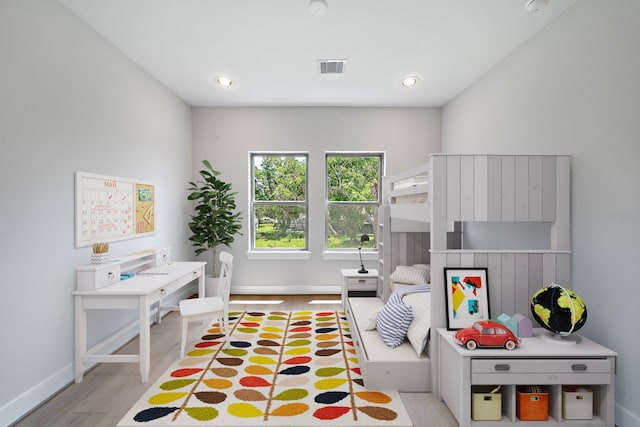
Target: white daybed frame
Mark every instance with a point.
(405, 199)
(385, 368)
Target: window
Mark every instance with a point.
(279, 201)
(353, 198)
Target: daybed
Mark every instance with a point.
(384, 368)
(403, 240)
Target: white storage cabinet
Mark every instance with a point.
(536, 361)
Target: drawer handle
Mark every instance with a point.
(579, 367)
(361, 280)
(502, 367)
(163, 292)
(164, 257)
(111, 275)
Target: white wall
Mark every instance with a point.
(574, 89)
(225, 136)
(69, 101)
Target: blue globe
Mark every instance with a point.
(558, 309)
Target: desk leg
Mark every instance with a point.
(145, 339)
(80, 338)
(201, 284)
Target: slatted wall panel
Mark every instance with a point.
(499, 188)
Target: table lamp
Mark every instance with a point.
(363, 238)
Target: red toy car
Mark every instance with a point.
(487, 333)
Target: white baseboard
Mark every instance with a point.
(286, 289)
(625, 418)
(39, 393)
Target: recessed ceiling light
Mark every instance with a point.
(409, 81)
(224, 81)
(318, 7)
(535, 5)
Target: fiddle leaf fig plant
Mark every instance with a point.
(215, 221)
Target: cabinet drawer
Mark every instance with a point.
(362, 283)
(541, 371)
(91, 280)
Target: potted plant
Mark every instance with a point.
(215, 221)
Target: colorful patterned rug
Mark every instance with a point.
(278, 369)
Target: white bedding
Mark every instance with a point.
(418, 333)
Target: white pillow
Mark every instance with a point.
(411, 275)
(418, 332)
(372, 320)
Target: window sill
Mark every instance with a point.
(279, 255)
(349, 255)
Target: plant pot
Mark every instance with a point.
(211, 286)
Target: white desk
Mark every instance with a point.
(139, 292)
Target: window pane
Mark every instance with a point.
(280, 227)
(347, 223)
(353, 178)
(279, 178)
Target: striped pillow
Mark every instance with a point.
(394, 320)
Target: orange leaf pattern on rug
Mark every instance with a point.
(299, 366)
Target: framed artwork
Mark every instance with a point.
(467, 296)
(110, 209)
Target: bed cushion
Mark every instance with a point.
(372, 320)
(418, 332)
(410, 275)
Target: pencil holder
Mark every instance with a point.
(99, 258)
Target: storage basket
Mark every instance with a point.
(485, 405)
(577, 403)
(532, 403)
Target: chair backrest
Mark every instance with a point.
(226, 269)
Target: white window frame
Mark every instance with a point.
(277, 253)
(348, 253)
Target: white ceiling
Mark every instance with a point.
(270, 48)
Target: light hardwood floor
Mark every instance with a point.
(110, 389)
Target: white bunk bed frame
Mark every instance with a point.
(414, 220)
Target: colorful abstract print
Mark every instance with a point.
(275, 367)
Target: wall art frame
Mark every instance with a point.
(467, 296)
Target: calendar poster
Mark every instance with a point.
(110, 209)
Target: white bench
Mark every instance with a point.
(385, 368)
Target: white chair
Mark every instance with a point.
(209, 308)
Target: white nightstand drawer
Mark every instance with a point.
(362, 283)
(540, 371)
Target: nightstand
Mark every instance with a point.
(358, 284)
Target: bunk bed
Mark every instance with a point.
(403, 248)
(407, 194)
(414, 228)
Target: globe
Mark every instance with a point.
(558, 309)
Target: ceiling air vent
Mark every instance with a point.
(332, 66)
